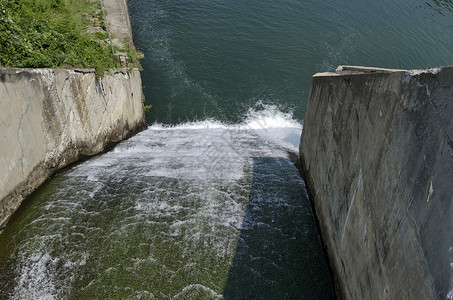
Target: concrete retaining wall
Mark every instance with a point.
(51, 118)
(377, 154)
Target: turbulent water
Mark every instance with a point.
(193, 211)
(206, 203)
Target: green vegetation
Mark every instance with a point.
(134, 56)
(54, 33)
(147, 107)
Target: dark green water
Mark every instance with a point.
(216, 59)
(206, 203)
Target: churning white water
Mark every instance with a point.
(198, 210)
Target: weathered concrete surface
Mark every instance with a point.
(377, 154)
(118, 22)
(50, 118)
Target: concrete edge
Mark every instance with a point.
(356, 70)
(77, 70)
(128, 21)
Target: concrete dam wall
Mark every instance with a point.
(377, 154)
(51, 118)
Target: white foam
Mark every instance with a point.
(204, 124)
(36, 281)
(267, 117)
(269, 123)
(191, 290)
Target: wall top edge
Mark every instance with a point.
(352, 70)
(76, 70)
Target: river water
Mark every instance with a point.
(206, 203)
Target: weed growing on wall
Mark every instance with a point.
(52, 33)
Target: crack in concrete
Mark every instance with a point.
(446, 136)
(21, 138)
(5, 124)
(359, 183)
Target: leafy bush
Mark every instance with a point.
(51, 33)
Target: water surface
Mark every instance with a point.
(197, 211)
(216, 59)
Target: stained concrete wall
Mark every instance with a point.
(377, 154)
(51, 118)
